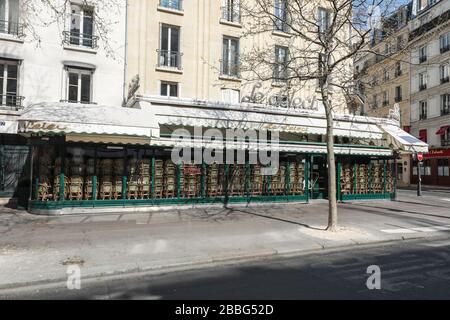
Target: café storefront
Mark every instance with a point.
(98, 157)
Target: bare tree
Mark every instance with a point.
(318, 41)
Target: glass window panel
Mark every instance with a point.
(2, 13)
(88, 28)
(73, 78)
(164, 89)
(75, 23)
(174, 39)
(164, 38)
(73, 94)
(174, 90)
(12, 71)
(11, 86)
(13, 16)
(85, 88)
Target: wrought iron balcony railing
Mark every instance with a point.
(12, 28)
(171, 4)
(422, 87)
(445, 80)
(398, 99)
(169, 59)
(231, 14)
(422, 59)
(445, 142)
(11, 102)
(80, 39)
(445, 48)
(445, 110)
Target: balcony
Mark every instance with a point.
(171, 4)
(445, 111)
(423, 116)
(12, 28)
(422, 87)
(169, 59)
(445, 142)
(422, 59)
(445, 80)
(11, 102)
(398, 73)
(445, 48)
(398, 99)
(385, 103)
(74, 38)
(232, 15)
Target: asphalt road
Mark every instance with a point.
(418, 269)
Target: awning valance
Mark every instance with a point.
(402, 140)
(67, 118)
(281, 147)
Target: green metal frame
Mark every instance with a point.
(202, 199)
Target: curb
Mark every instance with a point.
(207, 263)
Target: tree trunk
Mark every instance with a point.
(332, 199)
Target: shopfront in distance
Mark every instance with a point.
(99, 156)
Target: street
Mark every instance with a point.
(409, 270)
(267, 252)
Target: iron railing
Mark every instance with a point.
(398, 99)
(169, 59)
(11, 102)
(231, 14)
(12, 28)
(445, 142)
(422, 59)
(445, 48)
(80, 39)
(445, 80)
(445, 110)
(171, 4)
(422, 87)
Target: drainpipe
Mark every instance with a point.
(125, 56)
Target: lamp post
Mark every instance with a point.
(419, 157)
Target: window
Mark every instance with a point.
(423, 110)
(79, 85)
(398, 69)
(169, 89)
(386, 98)
(9, 84)
(423, 135)
(230, 96)
(422, 81)
(374, 101)
(398, 94)
(231, 10)
(400, 43)
(169, 50)
(423, 54)
(9, 17)
(81, 27)
(281, 15)
(445, 136)
(443, 167)
(386, 75)
(444, 73)
(444, 42)
(230, 57)
(445, 104)
(171, 4)
(323, 20)
(281, 62)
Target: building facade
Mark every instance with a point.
(57, 56)
(430, 89)
(94, 143)
(383, 76)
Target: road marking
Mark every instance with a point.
(417, 230)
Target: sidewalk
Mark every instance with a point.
(427, 188)
(38, 249)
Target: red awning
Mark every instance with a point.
(442, 131)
